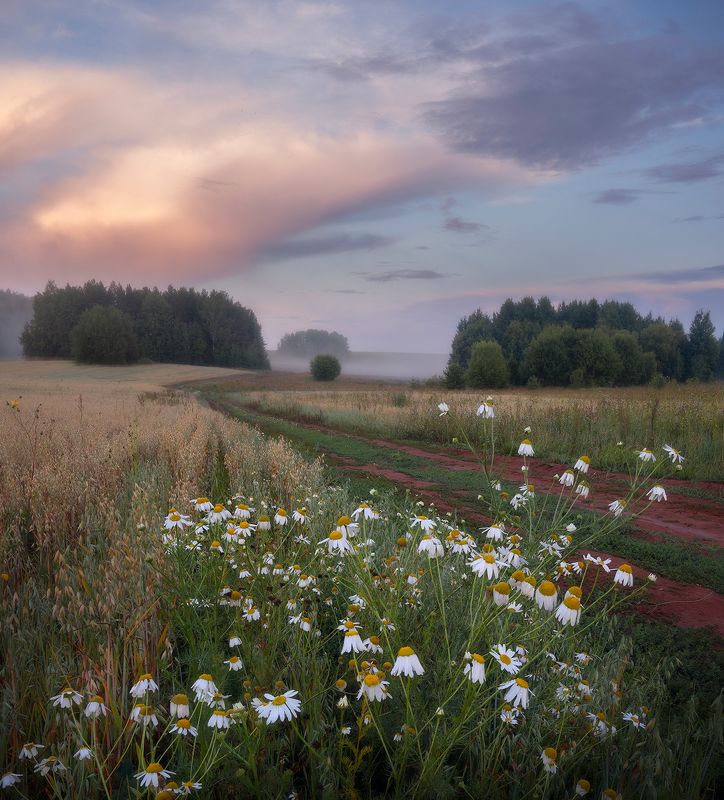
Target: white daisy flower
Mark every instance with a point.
(646, 455)
(30, 750)
(337, 542)
(485, 564)
(517, 692)
(218, 513)
(486, 410)
(243, 511)
(67, 698)
(422, 522)
(546, 595)
(95, 707)
(582, 489)
(150, 775)
(204, 686)
(374, 688)
(174, 520)
(283, 707)
(219, 720)
(567, 479)
(569, 611)
(526, 448)
(657, 493)
(352, 642)
(10, 779)
(83, 754)
(431, 546)
(548, 757)
(281, 518)
(234, 663)
(443, 408)
(624, 575)
(407, 663)
(179, 706)
(617, 507)
(496, 531)
(508, 660)
(202, 504)
(50, 764)
(475, 668)
(674, 455)
(582, 465)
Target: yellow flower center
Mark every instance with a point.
(375, 640)
(547, 588)
(488, 558)
(279, 701)
(218, 508)
(183, 723)
(344, 520)
(341, 684)
(404, 652)
(235, 595)
(145, 677)
(371, 680)
(263, 518)
(506, 659)
(281, 512)
(205, 677)
(477, 657)
(215, 543)
(234, 660)
(626, 568)
(573, 603)
(502, 588)
(551, 753)
(585, 459)
(335, 536)
(180, 699)
(575, 591)
(154, 768)
(526, 441)
(174, 517)
(200, 500)
(522, 683)
(351, 632)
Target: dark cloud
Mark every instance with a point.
(459, 225)
(569, 92)
(700, 218)
(617, 197)
(683, 275)
(687, 171)
(325, 245)
(405, 274)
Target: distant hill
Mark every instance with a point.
(16, 310)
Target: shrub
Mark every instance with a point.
(325, 367)
(104, 335)
(488, 367)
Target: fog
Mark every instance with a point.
(404, 366)
(15, 311)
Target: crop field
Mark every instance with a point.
(224, 584)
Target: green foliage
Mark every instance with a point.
(104, 335)
(702, 349)
(177, 325)
(314, 342)
(487, 368)
(454, 377)
(325, 367)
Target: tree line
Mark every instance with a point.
(581, 343)
(115, 324)
(313, 342)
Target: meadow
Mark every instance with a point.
(191, 606)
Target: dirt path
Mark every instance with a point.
(688, 518)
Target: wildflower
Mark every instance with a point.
(583, 787)
(300, 515)
(183, 727)
(202, 504)
(346, 526)
(624, 575)
(582, 465)
(176, 520)
(652, 577)
(507, 659)
(219, 720)
(526, 448)
(50, 764)
(431, 546)
(217, 700)
(407, 663)
(485, 564)
(636, 721)
(83, 754)
(234, 663)
(617, 507)
(145, 715)
(444, 408)
(569, 611)
(674, 455)
(500, 593)
(280, 518)
(567, 479)
(9, 779)
(263, 523)
(646, 455)
(365, 511)
(657, 493)
(339, 542)
(423, 523)
(218, 513)
(204, 686)
(67, 698)
(546, 595)
(343, 702)
(281, 708)
(509, 714)
(583, 489)
(475, 668)
(179, 705)
(486, 410)
(187, 786)
(599, 562)
(149, 776)
(242, 511)
(30, 750)
(527, 586)
(548, 757)
(352, 642)
(143, 686)
(251, 614)
(374, 688)
(95, 707)
(517, 692)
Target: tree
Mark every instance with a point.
(487, 368)
(702, 350)
(313, 342)
(635, 366)
(454, 376)
(475, 328)
(104, 335)
(324, 367)
(667, 343)
(550, 357)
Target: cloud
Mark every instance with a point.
(459, 225)
(699, 218)
(617, 197)
(339, 243)
(406, 274)
(567, 92)
(346, 291)
(687, 171)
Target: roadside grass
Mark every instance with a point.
(686, 562)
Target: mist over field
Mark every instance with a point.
(15, 311)
(404, 366)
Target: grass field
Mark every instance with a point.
(102, 586)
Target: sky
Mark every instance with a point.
(379, 168)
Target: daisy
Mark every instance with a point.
(517, 692)
(508, 660)
(149, 776)
(657, 493)
(219, 720)
(407, 663)
(202, 504)
(617, 507)
(443, 408)
(548, 757)
(300, 515)
(219, 513)
(599, 562)
(280, 708)
(251, 614)
(569, 611)
(646, 455)
(509, 714)
(486, 410)
(217, 700)
(204, 686)
(67, 698)
(345, 524)
(352, 642)
(583, 489)
(242, 511)
(9, 779)
(500, 593)
(495, 532)
(583, 787)
(374, 688)
(337, 541)
(176, 520)
(624, 575)
(95, 707)
(49, 764)
(365, 511)
(527, 586)
(263, 523)
(475, 668)
(280, 518)
(526, 448)
(567, 479)
(485, 564)
(234, 663)
(674, 455)
(423, 523)
(431, 546)
(635, 719)
(372, 645)
(582, 465)
(179, 706)
(83, 754)
(546, 595)
(144, 715)
(30, 750)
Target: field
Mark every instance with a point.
(113, 605)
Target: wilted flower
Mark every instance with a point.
(657, 493)
(149, 776)
(444, 408)
(475, 668)
(407, 663)
(674, 455)
(582, 465)
(526, 448)
(624, 575)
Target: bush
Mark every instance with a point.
(104, 335)
(325, 367)
(488, 367)
(454, 376)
